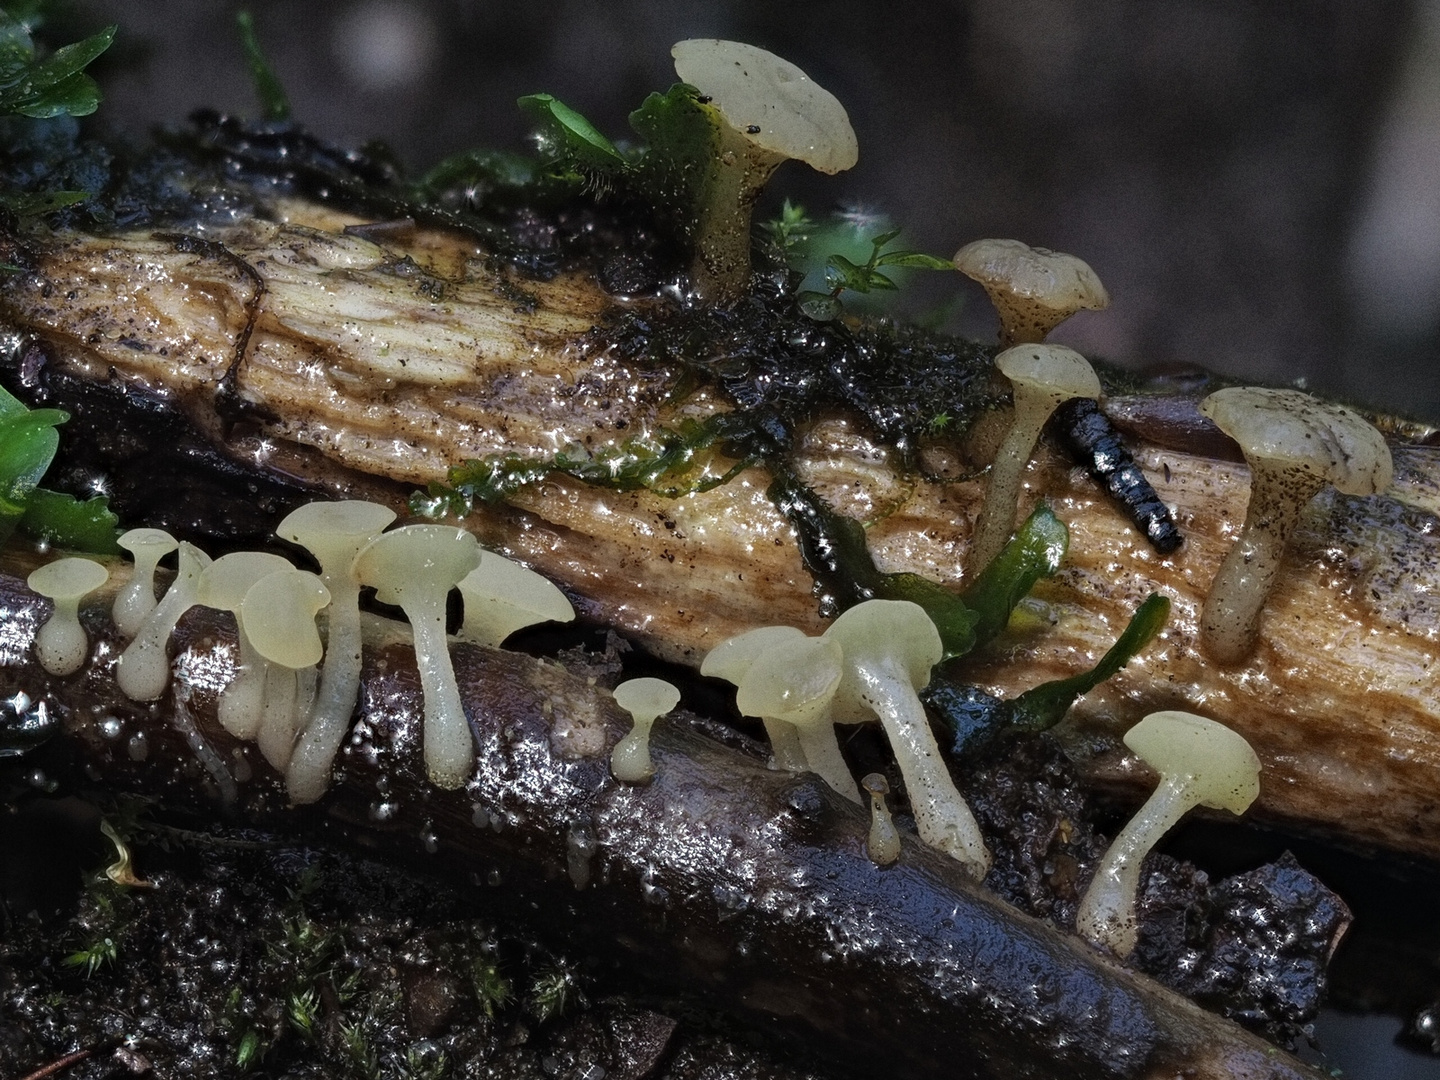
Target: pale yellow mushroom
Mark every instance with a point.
(1043, 377)
(501, 596)
(1201, 763)
(136, 599)
(882, 843)
(645, 700)
(770, 111)
(415, 567)
(60, 644)
(278, 614)
(143, 670)
(1033, 289)
(732, 658)
(1294, 445)
(223, 586)
(333, 532)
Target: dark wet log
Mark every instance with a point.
(720, 884)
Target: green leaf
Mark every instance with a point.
(26, 205)
(63, 521)
(1046, 705)
(568, 137)
(274, 102)
(483, 171)
(55, 86)
(28, 442)
(1035, 552)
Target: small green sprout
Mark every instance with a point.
(791, 229)
(274, 102)
(843, 274)
(551, 991)
(492, 990)
(94, 956)
(301, 1010)
(250, 1051)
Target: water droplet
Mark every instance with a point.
(492, 878)
(384, 811)
(111, 727)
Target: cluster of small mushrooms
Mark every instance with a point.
(870, 663)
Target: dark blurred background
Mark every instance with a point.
(1257, 182)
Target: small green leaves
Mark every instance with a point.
(274, 102)
(28, 441)
(567, 137)
(54, 86)
(93, 956)
(791, 229)
(842, 274)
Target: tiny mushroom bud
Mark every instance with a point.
(223, 586)
(278, 614)
(61, 644)
(1044, 377)
(645, 700)
(144, 667)
(890, 647)
(334, 532)
(769, 111)
(415, 567)
(883, 842)
(137, 598)
(732, 658)
(793, 683)
(1294, 446)
(1201, 763)
(1033, 289)
(501, 596)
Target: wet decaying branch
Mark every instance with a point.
(763, 906)
(371, 366)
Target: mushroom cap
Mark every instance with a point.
(770, 101)
(334, 530)
(501, 596)
(136, 539)
(279, 616)
(732, 658)
(876, 631)
(67, 579)
(1052, 279)
(1291, 430)
(794, 680)
(645, 699)
(1059, 372)
(416, 555)
(224, 583)
(1222, 765)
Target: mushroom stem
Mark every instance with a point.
(786, 753)
(144, 667)
(1107, 912)
(942, 817)
(449, 744)
(240, 709)
(821, 747)
(1002, 489)
(276, 737)
(720, 270)
(1230, 622)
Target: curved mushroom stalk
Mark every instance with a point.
(1043, 377)
(1201, 763)
(334, 533)
(136, 599)
(415, 567)
(732, 658)
(890, 647)
(792, 684)
(144, 667)
(278, 613)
